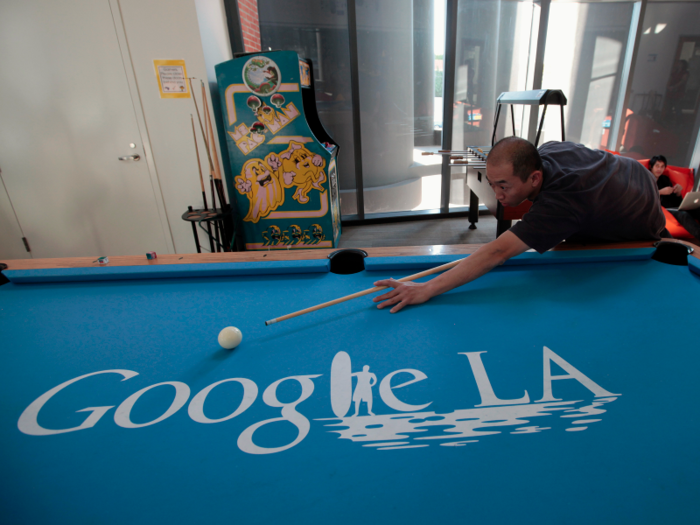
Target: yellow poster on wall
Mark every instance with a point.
(172, 78)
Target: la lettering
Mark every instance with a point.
(489, 398)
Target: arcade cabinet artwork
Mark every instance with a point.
(282, 159)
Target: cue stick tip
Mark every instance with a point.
(271, 321)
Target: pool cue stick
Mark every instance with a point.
(211, 181)
(218, 228)
(211, 164)
(213, 159)
(211, 184)
(225, 231)
(216, 223)
(201, 126)
(216, 174)
(201, 183)
(201, 177)
(212, 142)
(413, 277)
(204, 136)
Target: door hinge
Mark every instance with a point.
(26, 244)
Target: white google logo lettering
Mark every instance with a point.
(382, 430)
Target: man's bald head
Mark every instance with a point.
(517, 152)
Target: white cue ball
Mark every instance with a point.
(230, 337)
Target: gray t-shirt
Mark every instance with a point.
(590, 193)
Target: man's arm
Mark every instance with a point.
(480, 262)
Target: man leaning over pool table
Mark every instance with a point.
(575, 192)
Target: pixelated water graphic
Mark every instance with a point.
(457, 429)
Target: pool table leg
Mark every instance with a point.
(473, 209)
(503, 226)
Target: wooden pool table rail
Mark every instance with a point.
(278, 255)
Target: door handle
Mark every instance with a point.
(131, 157)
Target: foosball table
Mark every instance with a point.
(474, 159)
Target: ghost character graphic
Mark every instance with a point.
(259, 181)
(303, 169)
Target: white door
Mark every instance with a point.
(66, 115)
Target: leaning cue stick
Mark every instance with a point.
(201, 182)
(425, 273)
(201, 126)
(211, 163)
(216, 173)
(217, 169)
(207, 141)
(212, 142)
(201, 177)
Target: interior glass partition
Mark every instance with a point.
(318, 29)
(400, 65)
(662, 116)
(584, 56)
(397, 66)
(494, 52)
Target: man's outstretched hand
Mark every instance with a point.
(480, 262)
(402, 294)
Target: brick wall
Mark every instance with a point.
(250, 24)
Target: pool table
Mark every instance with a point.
(559, 388)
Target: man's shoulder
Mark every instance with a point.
(557, 145)
(554, 147)
(566, 157)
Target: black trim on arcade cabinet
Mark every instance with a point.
(308, 97)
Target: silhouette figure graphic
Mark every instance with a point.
(363, 390)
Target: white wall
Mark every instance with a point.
(152, 29)
(169, 29)
(10, 233)
(215, 40)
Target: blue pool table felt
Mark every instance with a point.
(625, 322)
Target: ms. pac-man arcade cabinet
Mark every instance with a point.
(283, 162)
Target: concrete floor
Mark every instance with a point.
(419, 233)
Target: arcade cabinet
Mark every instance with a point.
(282, 159)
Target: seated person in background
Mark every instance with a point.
(574, 191)
(671, 197)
